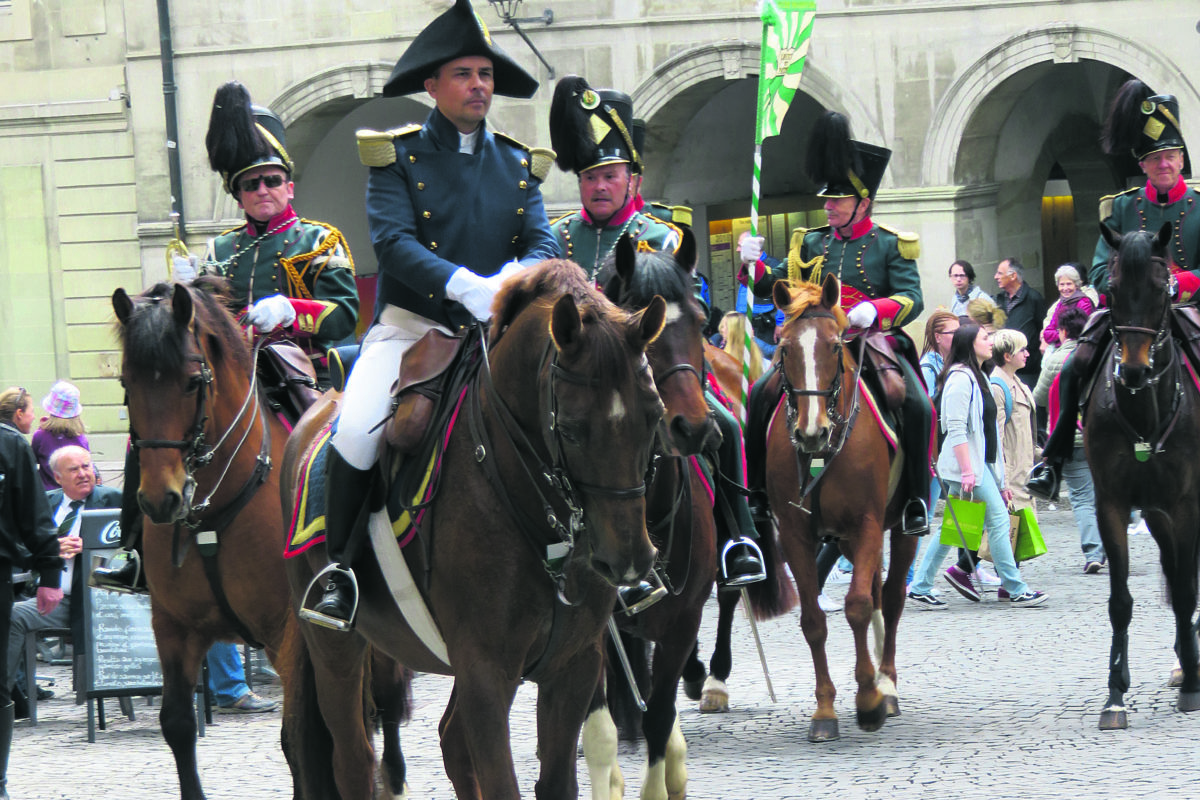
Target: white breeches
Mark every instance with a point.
(367, 400)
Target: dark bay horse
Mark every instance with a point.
(206, 445)
(541, 513)
(1142, 435)
(826, 413)
(679, 514)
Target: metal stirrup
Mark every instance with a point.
(324, 620)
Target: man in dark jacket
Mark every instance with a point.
(24, 520)
(1026, 308)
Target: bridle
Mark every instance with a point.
(553, 474)
(1161, 337)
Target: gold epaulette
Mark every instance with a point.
(540, 159)
(376, 148)
(1106, 202)
(909, 243)
(680, 215)
(564, 216)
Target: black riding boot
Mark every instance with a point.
(741, 560)
(6, 733)
(124, 571)
(347, 504)
(916, 423)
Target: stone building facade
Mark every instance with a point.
(992, 110)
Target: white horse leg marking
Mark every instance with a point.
(810, 425)
(676, 763)
(877, 627)
(600, 753)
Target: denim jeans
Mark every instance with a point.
(996, 523)
(226, 675)
(1082, 493)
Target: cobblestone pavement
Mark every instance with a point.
(997, 702)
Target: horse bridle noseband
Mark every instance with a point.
(1161, 336)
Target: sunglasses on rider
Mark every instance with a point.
(251, 184)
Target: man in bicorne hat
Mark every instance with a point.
(453, 209)
(594, 136)
(1145, 125)
(881, 289)
(294, 277)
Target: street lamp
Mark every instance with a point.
(507, 9)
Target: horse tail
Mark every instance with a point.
(306, 741)
(776, 595)
(622, 706)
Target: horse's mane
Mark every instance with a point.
(656, 273)
(542, 285)
(805, 295)
(154, 344)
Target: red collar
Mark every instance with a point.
(860, 229)
(1174, 196)
(620, 218)
(284, 219)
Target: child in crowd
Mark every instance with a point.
(62, 427)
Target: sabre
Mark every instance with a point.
(762, 656)
(621, 654)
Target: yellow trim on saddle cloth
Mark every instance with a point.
(296, 285)
(402, 523)
(302, 536)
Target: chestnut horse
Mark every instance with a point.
(824, 413)
(205, 444)
(540, 515)
(1142, 434)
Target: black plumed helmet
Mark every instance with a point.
(590, 127)
(242, 136)
(1140, 122)
(842, 166)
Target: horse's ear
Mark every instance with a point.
(181, 303)
(625, 256)
(1111, 237)
(831, 291)
(566, 326)
(651, 320)
(685, 256)
(1163, 237)
(781, 295)
(122, 305)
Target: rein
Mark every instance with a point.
(553, 473)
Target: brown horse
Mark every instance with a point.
(825, 414)
(1142, 433)
(205, 445)
(541, 513)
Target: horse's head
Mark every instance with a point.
(677, 355)
(1140, 290)
(182, 361)
(812, 359)
(593, 407)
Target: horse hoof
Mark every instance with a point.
(872, 719)
(1113, 719)
(693, 689)
(1176, 678)
(823, 730)
(715, 698)
(1189, 701)
(891, 706)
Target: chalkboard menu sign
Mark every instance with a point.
(121, 656)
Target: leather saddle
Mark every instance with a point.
(882, 369)
(288, 379)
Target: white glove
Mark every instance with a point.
(862, 315)
(184, 269)
(475, 292)
(751, 248)
(271, 312)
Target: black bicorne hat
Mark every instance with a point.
(844, 167)
(242, 136)
(1141, 122)
(591, 127)
(456, 33)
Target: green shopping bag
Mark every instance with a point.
(1030, 543)
(969, 514)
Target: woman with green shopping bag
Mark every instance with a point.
(971, 464)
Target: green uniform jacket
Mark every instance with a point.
(878, 264)
(307, 261)
(588, 245)
(1133, 210)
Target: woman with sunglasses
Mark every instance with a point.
(24, 520)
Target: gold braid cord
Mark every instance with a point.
(296, 284)
(801, 270)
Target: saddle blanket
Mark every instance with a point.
(308, 514)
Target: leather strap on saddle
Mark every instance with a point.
(420, 386)
(883, 369)
(288, 378)
(1185, 324)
